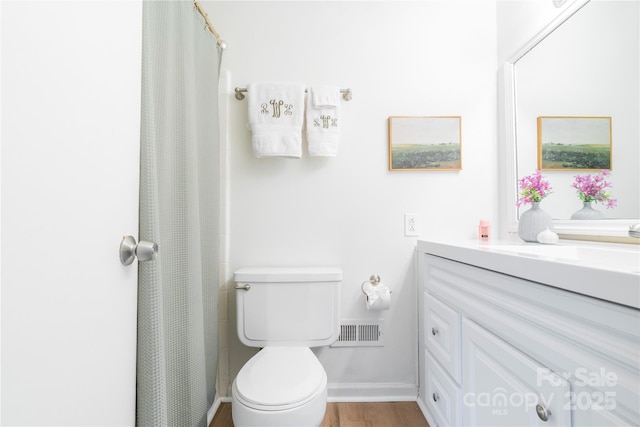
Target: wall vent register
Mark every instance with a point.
(361, 333)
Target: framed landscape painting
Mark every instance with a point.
(569, 142)
(425, 143)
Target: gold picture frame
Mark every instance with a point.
(574, 143)
(419, 143)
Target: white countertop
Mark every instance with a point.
(607, 271)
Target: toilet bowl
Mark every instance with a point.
(280, 386)
(284, 311)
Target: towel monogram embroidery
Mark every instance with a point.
(327, 121)
(275, 107)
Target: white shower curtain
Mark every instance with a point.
(179, 193)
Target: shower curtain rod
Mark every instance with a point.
(209, 25)
(346, 93)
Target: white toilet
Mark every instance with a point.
(284, 311)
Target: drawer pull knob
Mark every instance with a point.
(543, 413)
(434, 331)
(435, 397)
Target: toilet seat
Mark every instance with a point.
(279, 378)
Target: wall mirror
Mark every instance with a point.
(585, 63)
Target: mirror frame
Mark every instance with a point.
(600, 230)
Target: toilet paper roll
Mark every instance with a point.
(378, 297)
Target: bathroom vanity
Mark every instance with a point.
(526, 334)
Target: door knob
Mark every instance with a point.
(129, 249)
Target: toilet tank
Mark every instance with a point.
(288, 306)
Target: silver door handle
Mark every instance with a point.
(129, 249)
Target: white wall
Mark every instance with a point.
(399, 58)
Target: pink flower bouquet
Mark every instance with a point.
(593, 188)
(533, 189)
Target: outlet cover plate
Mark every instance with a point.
(411, 226)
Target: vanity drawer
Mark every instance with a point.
(442, 335)
(443, 396)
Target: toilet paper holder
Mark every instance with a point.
(373, 280)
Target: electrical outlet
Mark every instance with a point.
(411, 224)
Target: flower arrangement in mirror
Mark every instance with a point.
(593, 188)
(533, 188)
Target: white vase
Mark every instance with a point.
(587, 212)
(532, 222)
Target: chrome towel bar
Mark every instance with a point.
(346, 93)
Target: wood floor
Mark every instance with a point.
(378, 414)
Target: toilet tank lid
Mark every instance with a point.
(288, 274)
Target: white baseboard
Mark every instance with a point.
(214, 408)
(354, 392)
(368, 392)
(212, 411)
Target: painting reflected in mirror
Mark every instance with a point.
(574, 143)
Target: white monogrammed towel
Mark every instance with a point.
(323, 120)
(276, 114)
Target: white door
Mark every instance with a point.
(70, 162)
